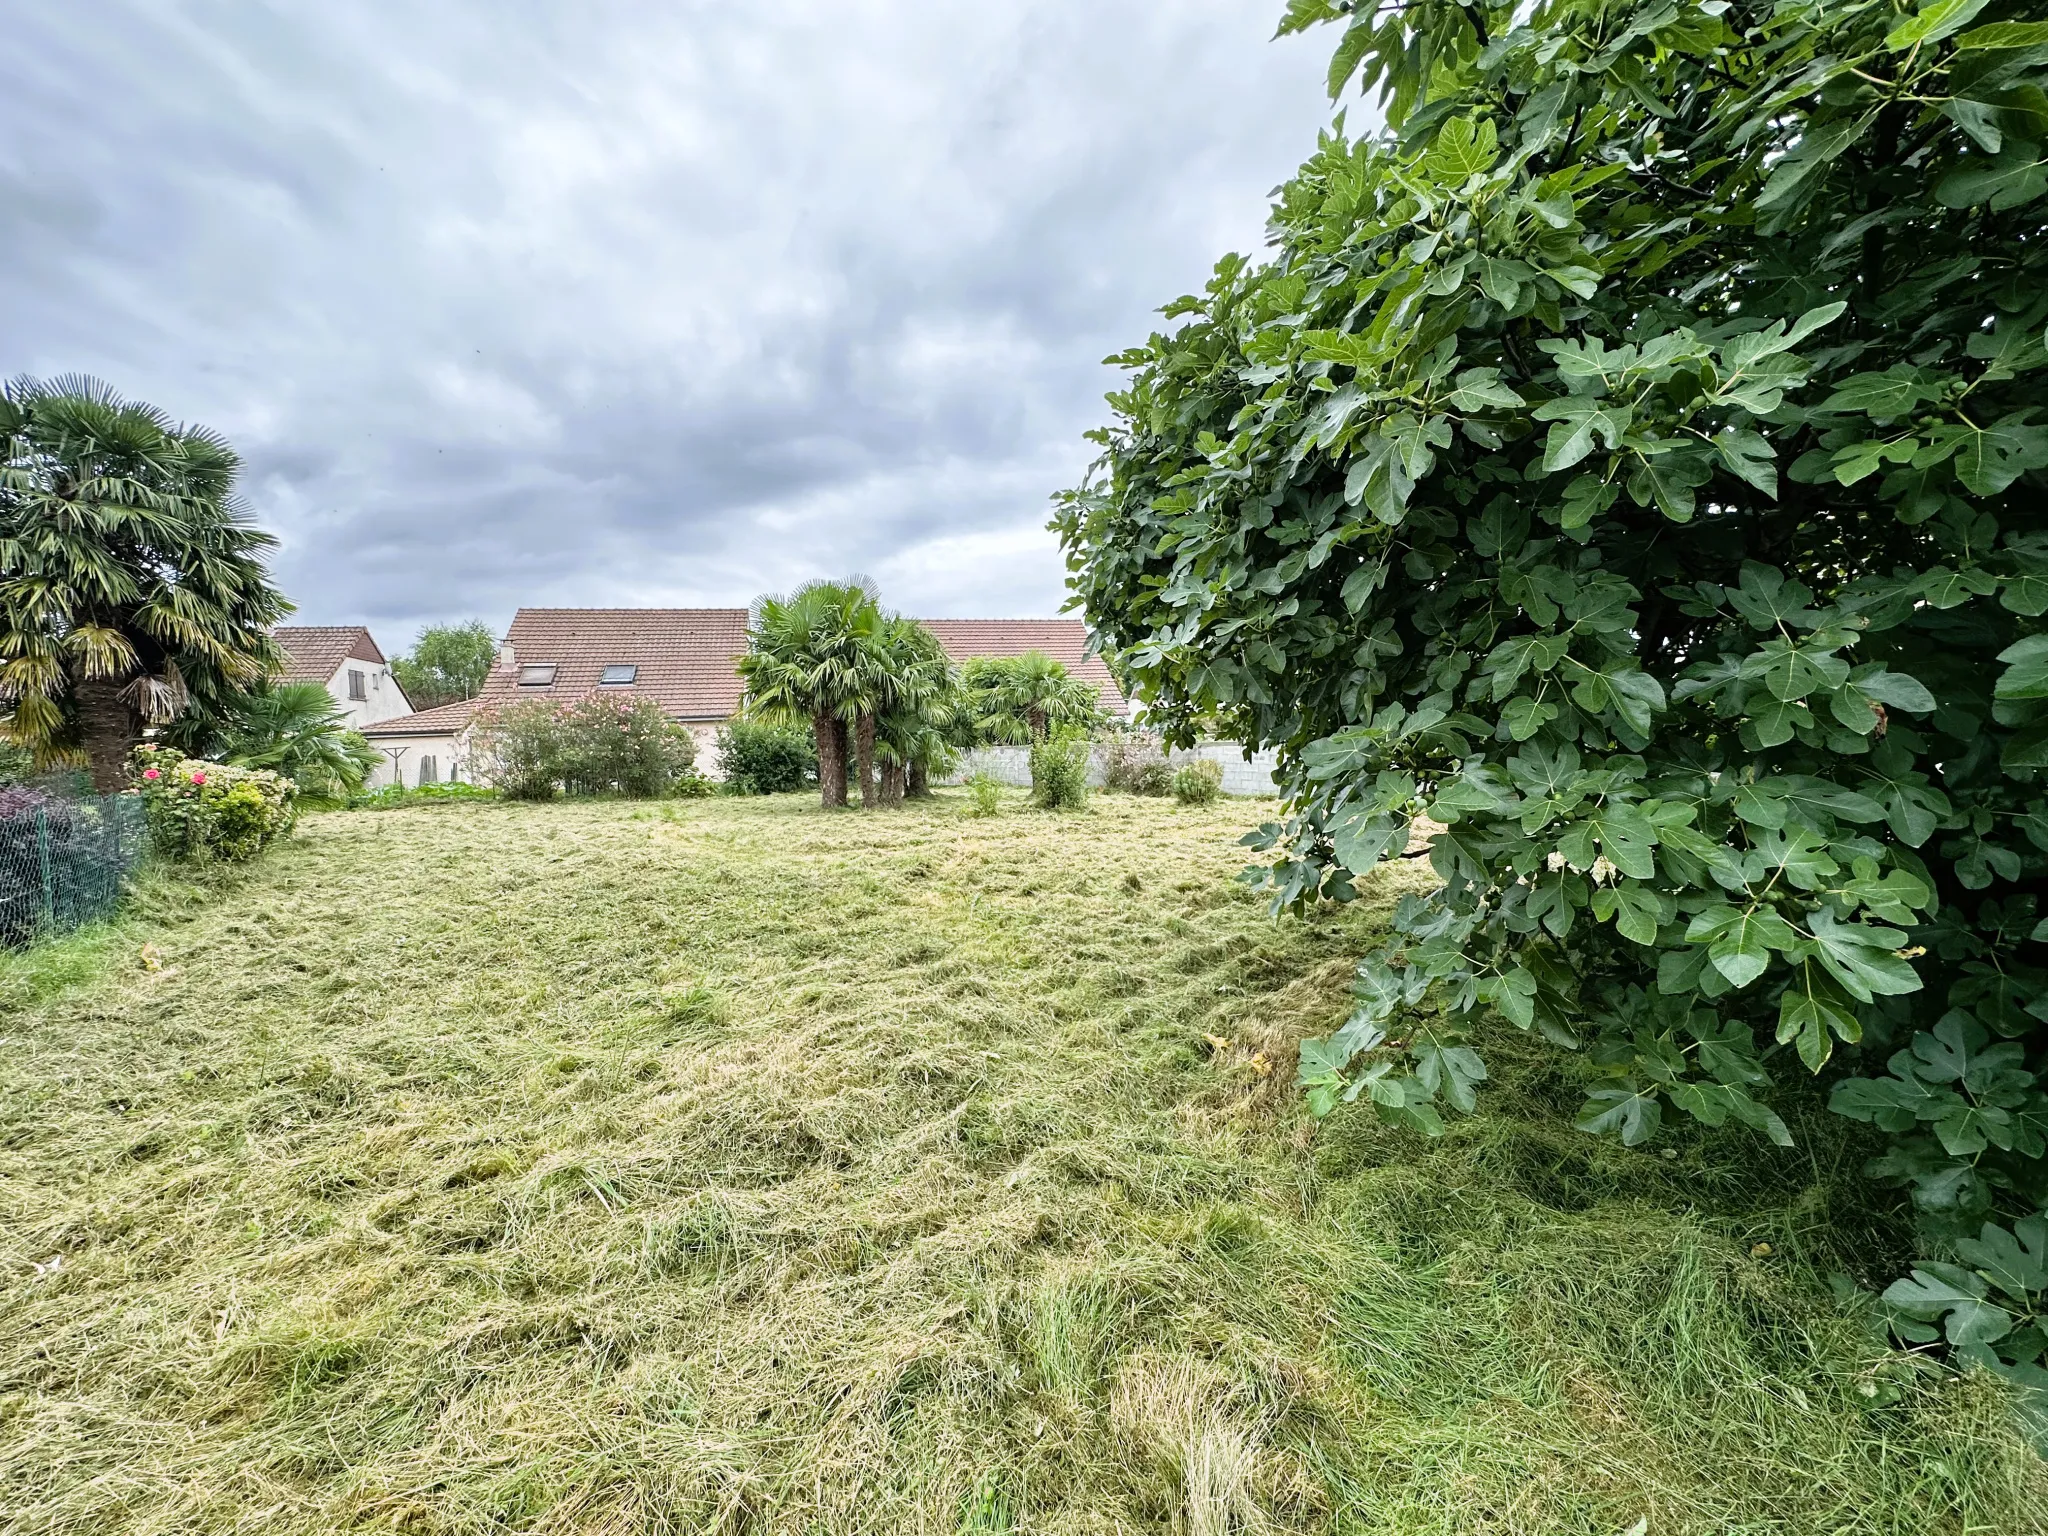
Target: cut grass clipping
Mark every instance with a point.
(736, 1166)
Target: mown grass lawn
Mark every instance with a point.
(734, 1166)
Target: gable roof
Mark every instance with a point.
(685, 656)
(315, 652)
(1064, 640)
(441, 720)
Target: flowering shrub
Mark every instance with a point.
(618, 745)
(201, 812)
(597, 746)
(520, 749)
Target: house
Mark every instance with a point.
(1064, 640)
(429, 747)
(685, 659)
(344, 660)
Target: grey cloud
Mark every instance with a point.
(543, 302)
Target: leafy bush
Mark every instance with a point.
(758, 758)
(1198, 783)
(17, 764)
(522, 749)
(392, 796)
(613, 745)
(985, 794)
(203, 812)
(1136, 764)
(1059, 771)
(691, 785)
(1633, 459)
(597, 746)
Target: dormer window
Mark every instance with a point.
(537, 674)
(620, 672)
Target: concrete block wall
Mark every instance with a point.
(1012, 765)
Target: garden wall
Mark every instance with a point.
(1012, 765)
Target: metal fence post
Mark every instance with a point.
(43, 869)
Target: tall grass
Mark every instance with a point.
(732, 1166)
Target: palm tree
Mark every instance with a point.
(1020, 698)
(915, 700)
(811, 660)
(132, 588)
(297, 730)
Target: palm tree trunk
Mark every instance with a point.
(831, 759)
(892, 783)
(108, 729)
(917, 785)
(864, 746)
(1036, 717)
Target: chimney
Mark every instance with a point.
(505, 657)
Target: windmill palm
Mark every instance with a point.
(1021, 698)
(132, 588)
(916, 698)
(811, 660)
(297, 730)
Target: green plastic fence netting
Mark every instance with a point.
(63, 860)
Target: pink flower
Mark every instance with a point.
(151, 773)
(198, 778)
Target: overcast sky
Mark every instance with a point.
(674, 302)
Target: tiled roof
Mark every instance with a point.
(1064, 640)
(442, 719)
(314, 652)
(685, 656)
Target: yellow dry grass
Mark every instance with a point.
(735, 1166)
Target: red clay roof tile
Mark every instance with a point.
(685, 656)
(315, 652)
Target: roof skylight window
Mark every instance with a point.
(620, 672)
(537, 674)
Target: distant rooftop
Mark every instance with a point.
(685, 659)
(1064, 640)
(314, 652)
(682, 658)
(441, 720)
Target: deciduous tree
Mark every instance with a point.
(1632, 458)
(447, 663)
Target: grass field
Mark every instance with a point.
(735, 1166)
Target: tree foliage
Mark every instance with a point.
(132, 587)
(598, 745)
(296, 730)
(876, 688)
(1632, 458)
(1021, 699)
(757, 758)
(447, 663)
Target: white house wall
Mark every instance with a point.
(403, 755)
(385, 701)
